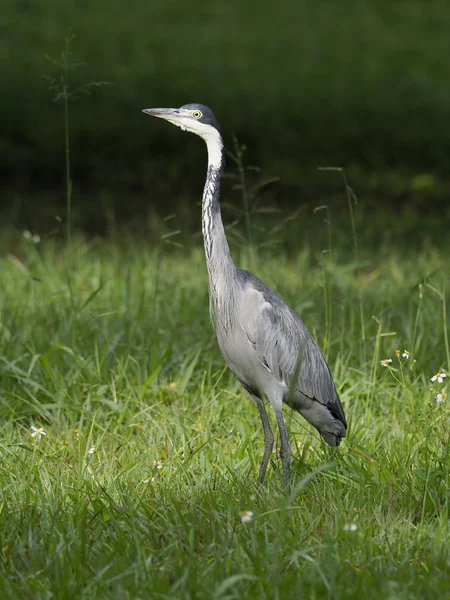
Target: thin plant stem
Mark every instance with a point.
(416, 320)
(442, 298)
(351, 198)
(67, 152)
(326, 267)
(445, 325)
(60, 85)
(244, 190)
(238, 158)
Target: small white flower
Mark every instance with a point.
(385, 362)
(92, 449)
(439, 377)
(38, 432)
(30, 237)
(350, 526)
(246, 516)
(406, 354)
(442, 397)
(157, 464)
(149, 480)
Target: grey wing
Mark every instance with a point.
(287, 349)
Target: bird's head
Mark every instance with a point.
(196, 118)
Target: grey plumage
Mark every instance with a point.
(263, 341)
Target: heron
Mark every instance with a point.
(263, 341)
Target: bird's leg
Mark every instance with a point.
(285, 451)
(268, 437)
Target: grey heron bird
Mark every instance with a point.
(263, 341)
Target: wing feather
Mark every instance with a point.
(286, 348)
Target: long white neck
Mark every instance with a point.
(218, 256)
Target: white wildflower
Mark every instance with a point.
(385, 362)
(149, 480)
(442, 397)
(30, 237)
(38, 432)
(406, 354)
(92, 450)
(246, 516)
(439, 377)
(350, 526)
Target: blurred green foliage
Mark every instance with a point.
(304, 84)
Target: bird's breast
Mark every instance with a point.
(242, 358)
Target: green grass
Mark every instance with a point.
(111, 347)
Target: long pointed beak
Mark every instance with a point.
(162, 113)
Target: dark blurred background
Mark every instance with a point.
(303, 84)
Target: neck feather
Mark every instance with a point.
(214, 144)
(218, 256)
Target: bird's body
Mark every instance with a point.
(263, 341)
(268, 333)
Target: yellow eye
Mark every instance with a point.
(196, 114)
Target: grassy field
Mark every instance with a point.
(151, 449)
